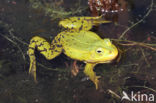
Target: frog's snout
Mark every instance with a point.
(114, 53)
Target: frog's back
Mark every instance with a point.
(80, 39)
(77, 45)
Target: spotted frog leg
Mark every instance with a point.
(50, 51)
(82, 23)
(91, 74)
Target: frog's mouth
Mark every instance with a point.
(109, 59)
(92, 61)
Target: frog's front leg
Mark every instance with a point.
(50, 51)
(89, 72)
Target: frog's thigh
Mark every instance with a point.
(50, 51)
(89, 72)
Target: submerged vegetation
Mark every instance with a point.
(55, 9)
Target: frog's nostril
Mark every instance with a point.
(110, 52)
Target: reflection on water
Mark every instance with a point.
(20, 20)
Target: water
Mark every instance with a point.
(19, 21)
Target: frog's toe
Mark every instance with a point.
(97, 77)
(32, 70)
(96, 81)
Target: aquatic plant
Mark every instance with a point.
(54, 8)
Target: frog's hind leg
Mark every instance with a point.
(91, 74)
(82, 23)
(50, 51)
(95, 21)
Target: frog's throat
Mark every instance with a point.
(95, 62)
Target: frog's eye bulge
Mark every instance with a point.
(108, 42)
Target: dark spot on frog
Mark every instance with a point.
(63, 50)
(31, 54)
(71, 31)
(78, 18)
(67, 27)
(31, 48)
(51, 48)
(86, 26)
(81, 27)
(74, 21)
(59, 39)
(55, 41)
(41, 44)
(56, 51)
(59, 45)
(43, 50)
(34, 41)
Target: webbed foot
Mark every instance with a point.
(96, 81)
(32, 69)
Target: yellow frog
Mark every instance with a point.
(78, 43)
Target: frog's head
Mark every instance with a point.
(104, 52)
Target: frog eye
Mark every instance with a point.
(99, 50)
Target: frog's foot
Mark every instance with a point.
(32, 69)
(96, 81)
(74, 69)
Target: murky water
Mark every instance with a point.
(135, 71)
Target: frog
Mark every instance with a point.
(77, 42)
